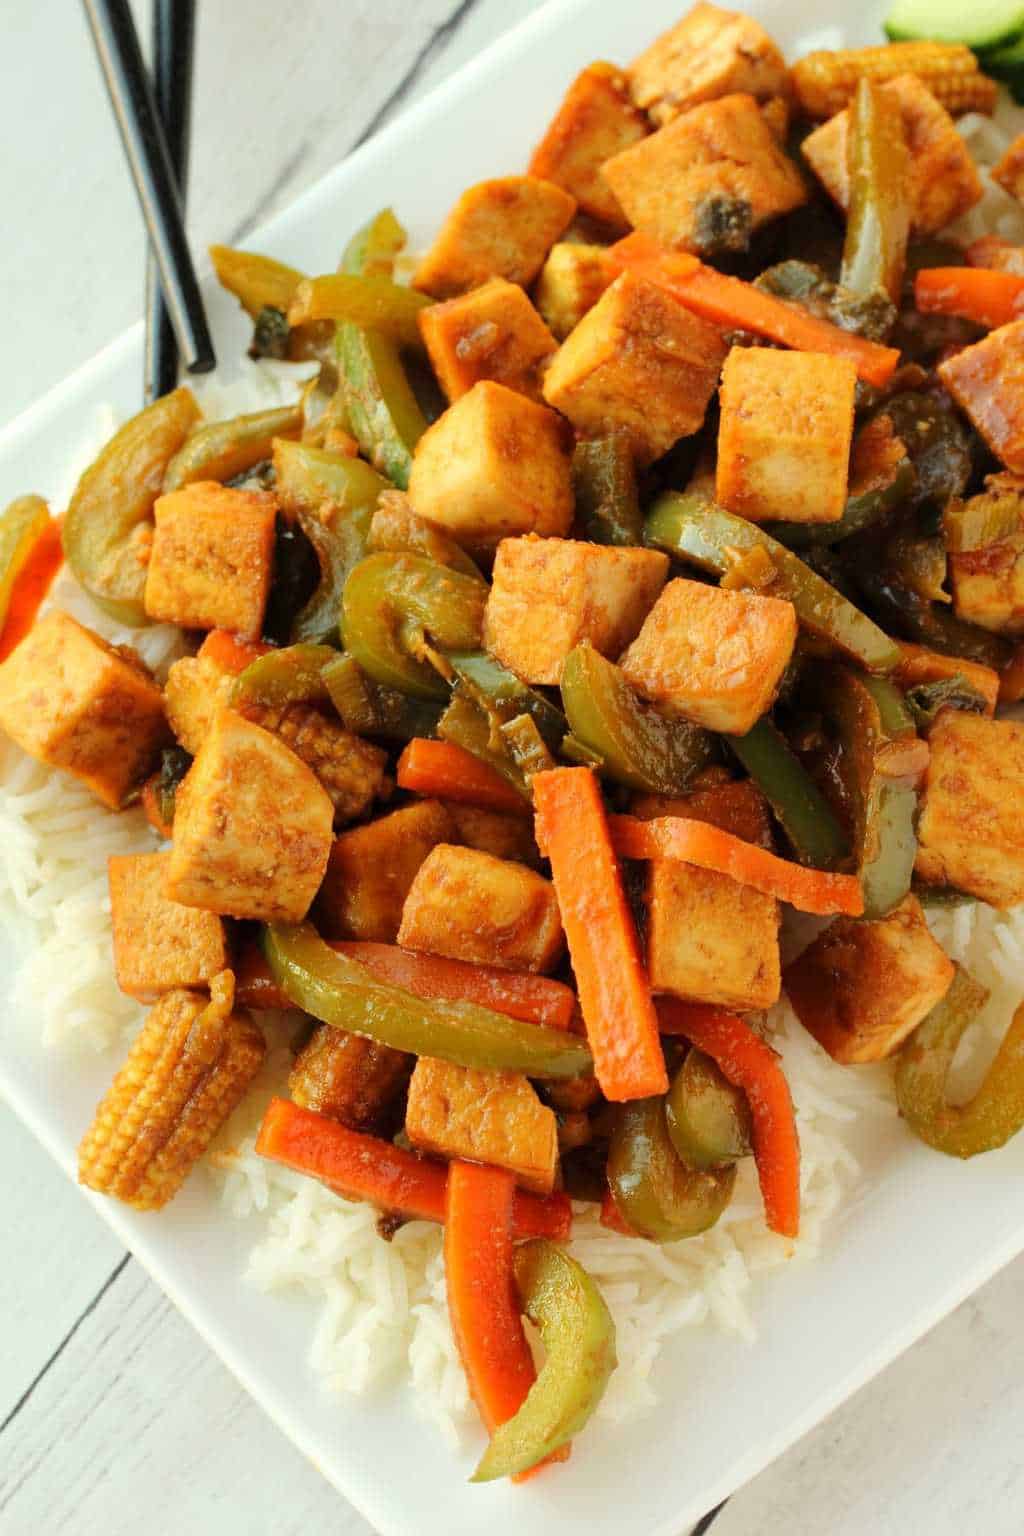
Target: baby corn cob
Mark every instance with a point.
(348, 1077)
(185, 1072)
(825, 82)
(351, 770)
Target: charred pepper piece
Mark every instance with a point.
(395, 606)
(801, 808)
(708, 1119)
(220, 450)
(604, 484)
(187, 1069)
(369, 709)
(348, 1077)
(660, 1196)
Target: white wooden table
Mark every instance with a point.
(114, 1416)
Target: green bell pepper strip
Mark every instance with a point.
(604, 483)
(341, 992)
(985, 519)
(469, 726)
(878, 219)
(108, 523)
(576, 1329)
(368, 709)
(372, 249)
(659, 1196)
(526, 746)
(995, 1113)
(502, 694)
(881, 478)
(373, 302)
(308, 477)
(707, 1118)
(707, 536)
(220, 450)
(22, 525)
(292, 675)
(635, 744)
(395, 527)
(392, 601)
(931, 624)
(801, 809)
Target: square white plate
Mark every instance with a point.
(923, 1233)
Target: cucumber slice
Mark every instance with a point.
(984, 25)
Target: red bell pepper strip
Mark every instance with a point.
(974, 293)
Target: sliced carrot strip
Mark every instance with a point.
(697, 842)
(361, 1167)
(33, 582)
(750, 1064)
(980, 294)
(450, 772)
(622, 1026)
(728, 301)
(229, 652)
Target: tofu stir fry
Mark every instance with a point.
(651, 562)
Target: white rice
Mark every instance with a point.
(378, 1308)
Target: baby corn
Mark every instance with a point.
(351, 770)
(825, 82)
(185, 1072)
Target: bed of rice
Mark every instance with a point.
(378, 1307)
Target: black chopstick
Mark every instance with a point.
(117, 46)
(174, 25)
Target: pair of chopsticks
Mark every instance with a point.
(153, 119)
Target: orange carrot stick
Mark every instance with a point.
(441, 768)
(750, 1064)
(615, 997)
(537, 999)
(360, 1167)
(31, 586)
(980, 294)
(697, 842)
(229, 652)
(727, 301)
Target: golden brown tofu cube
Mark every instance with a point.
(549, 595)
(971, 826)
(571, 281)
(484, 1117)
(159, 944)
(712, 656)
(784, 436)
(194, 694)
(710, 53)
(212, 558)
(506, 837)
(1009, 169)
(944, 180)
(863, 986)
(470, 906)
(348, 1077)
(492, 332)
(595, 121)
(252, 827)
(501, 228)
(710, 939)
(74, 702)
(371, 869)
(638, 363)
(495, 464)
(987, 382)
(708, 180)
(988, 584)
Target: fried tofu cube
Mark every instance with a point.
(987, 382)
(492, 332)
(710, 939)
(571, 281)
(372, 867)
(709, 179)
(638, 363)
(785, 434)
(194, 694)
(500, 228)
(595, 121)
(494, 464)
(470, 906)
(159, 944)
(549, 595)
(212, 558)
(944, 180)
(711, 52)
(971, 826)
(484, 1117)
(506, 837)
(252, 827)
(711, 655)
(864, 985)
(1009, 169)
(76, 703)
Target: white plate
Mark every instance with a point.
(922, 1235)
